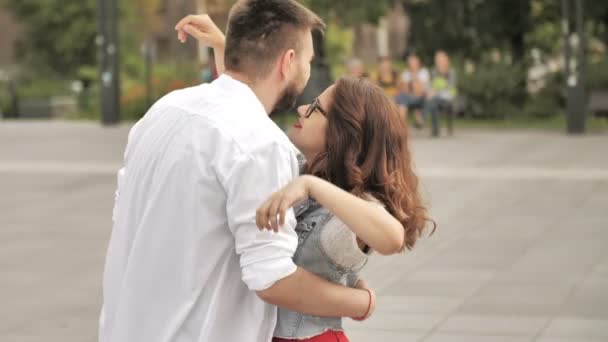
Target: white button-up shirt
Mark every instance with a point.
(185, 255)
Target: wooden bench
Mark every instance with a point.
(598, 102)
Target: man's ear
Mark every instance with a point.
(287, 61)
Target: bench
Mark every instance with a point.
(598, 102)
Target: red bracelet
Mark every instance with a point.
(369, 306)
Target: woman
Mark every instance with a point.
(357, 192)
(387, 78)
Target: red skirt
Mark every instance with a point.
(328, 336)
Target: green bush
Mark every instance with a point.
(165, 79)
(338, 44)
(549, 101)
(542, 105)
(596, 76)
(5, 100)
(492, 90)
(42, 88)
(134, 104)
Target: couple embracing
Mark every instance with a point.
(228, 230)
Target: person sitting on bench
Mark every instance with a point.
(414, 86)
(443, 90)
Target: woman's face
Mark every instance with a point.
(309, 132)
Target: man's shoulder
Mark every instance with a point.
(247, 128)
(261, 136)
(184, 95)
(239, 121)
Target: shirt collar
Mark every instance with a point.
(241, 90)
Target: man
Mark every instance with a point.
(185, 261)
(443, 90)
(414, 86)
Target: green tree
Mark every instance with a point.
(470, 28)
(59, 35)
(597, 12)
(349, 12)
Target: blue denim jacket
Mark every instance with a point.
(327, 248)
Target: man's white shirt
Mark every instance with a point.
(185, 257)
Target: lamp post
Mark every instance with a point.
(107, 42)
(575, 46)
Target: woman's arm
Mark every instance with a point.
(369, 221)
(203, 29)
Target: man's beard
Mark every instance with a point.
(288, 98)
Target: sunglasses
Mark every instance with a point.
(315, 106)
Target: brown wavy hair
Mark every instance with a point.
(368, 153)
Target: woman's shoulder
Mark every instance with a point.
(340, 245)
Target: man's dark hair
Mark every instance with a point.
(259, 31)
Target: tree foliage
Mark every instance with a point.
(59, 35)
(349, 12)
(471, 28)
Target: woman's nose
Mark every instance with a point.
(302, 110)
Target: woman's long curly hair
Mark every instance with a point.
(368, 153)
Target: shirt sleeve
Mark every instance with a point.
(249, 180)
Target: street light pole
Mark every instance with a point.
(574, 63)
(107, 42)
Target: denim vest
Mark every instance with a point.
(327, 248)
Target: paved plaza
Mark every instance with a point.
(520, 252)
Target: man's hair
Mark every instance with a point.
(259, 31)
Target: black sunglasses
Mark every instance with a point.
(315, 106)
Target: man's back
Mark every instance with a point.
(184, 253)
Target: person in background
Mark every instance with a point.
(413, 86)
(443, 90)
(387, 78)
(356, 69)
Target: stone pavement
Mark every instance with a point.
(520, 252)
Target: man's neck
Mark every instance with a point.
(266, 95)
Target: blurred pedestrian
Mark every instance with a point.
(387, 77)
(443, 90)
(356, 68)
(414, 85)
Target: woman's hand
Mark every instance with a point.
(206, 32)
(294, 192)
(202, 28)
(363, 285)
